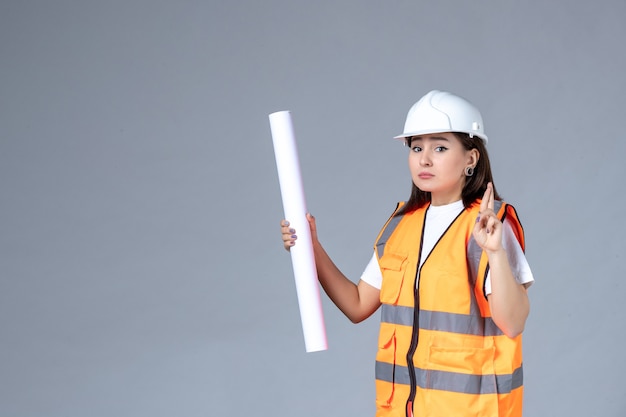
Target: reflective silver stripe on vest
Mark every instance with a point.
(451, 381)
(391, 226)
(474, 253)
(438, 320)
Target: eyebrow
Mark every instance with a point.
(437, 138)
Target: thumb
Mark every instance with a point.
(312, 225)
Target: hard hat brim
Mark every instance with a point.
(430, 132)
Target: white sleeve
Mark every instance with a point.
(372, 274)
(517, 259)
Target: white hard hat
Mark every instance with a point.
(439, 111)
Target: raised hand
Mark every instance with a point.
(488, 228)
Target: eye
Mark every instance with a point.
(440, 149)
(416, 149)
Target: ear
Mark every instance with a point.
(473, 157)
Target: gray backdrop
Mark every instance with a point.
(142, 272)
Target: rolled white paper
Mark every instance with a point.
(294, 206)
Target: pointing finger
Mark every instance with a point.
(484, 203)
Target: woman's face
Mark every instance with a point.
(437, 163)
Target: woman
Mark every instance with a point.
(450, 273)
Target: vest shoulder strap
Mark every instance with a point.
(387, 230)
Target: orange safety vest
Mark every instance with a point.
(439, 352)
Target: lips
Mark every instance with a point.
(425, 175)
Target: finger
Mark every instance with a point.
(289, 237)
(284, 226)
(289, 241)
(484, 203)
(491, 224)
(480, 233)
(484, 220)
(490, 204)
(311, 219)
(289, 233)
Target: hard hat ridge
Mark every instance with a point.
(440, 111)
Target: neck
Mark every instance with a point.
(439, 200)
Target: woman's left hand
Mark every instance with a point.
(488, 228)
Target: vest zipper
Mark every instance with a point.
(412, 349)
(415, 334)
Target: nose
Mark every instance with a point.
(425, 159)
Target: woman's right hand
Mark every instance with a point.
(289, 233)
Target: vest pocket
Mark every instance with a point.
(463, 360)
(385, 365)
(461, 381)
(392, 266)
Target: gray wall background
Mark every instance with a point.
(141, 268)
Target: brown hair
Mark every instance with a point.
(475, 185)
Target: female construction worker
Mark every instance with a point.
(449, 272)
